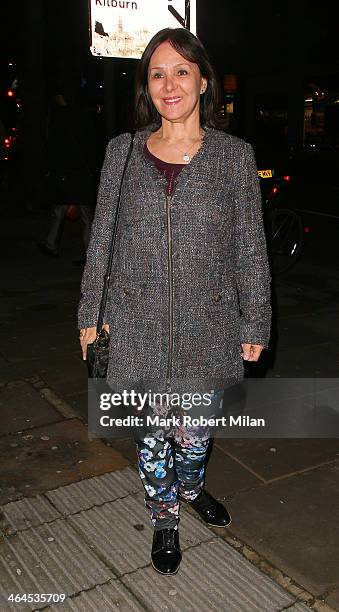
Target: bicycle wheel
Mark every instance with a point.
(286, 239)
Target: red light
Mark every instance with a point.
(275, 190)
(306, 230)
(7, 141)
(10, 93)
(286, 178)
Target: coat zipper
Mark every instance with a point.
(170, 289)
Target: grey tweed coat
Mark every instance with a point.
(190, 279)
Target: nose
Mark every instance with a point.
(169, 83)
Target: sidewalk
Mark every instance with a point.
(73, 515)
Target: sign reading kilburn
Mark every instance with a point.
(122, 28)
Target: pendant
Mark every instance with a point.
(186, 157)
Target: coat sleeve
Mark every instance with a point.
(252, 269)
(98, 249)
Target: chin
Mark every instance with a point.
(173, 114)
(173, 118)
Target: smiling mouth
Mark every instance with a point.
(171, 101)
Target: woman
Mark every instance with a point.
(190, 291)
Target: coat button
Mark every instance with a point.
(216, 297)
(126, 290)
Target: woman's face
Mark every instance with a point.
(174, 84)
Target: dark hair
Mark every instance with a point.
(190, 47)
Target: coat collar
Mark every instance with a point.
(149, 167)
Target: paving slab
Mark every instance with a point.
(95, 491)
(22, 407)
(111, 596)
(79, 402)
(47, 559)
(225, 477)
(29, 512)
(320, 360)
(21, 344)
(37, 310)
(51, 456)
(333, 599)
(290, 522)
(272, 457)
(127, 447)
(122, 532)
(66, 376)
(22, 369)
(212, 576)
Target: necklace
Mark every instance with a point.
(185, 154)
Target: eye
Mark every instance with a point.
(182, 72)
(157, 75)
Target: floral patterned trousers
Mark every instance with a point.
(171, 466)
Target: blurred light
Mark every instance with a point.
(306, 230)
(100, 86)
(275, 190)
(9, 93)
(286, 177)
(230, 83)
(7, 141)
(10, 64)
(309, 100)
(6, 158)
(124, 73)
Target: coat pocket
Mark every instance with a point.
(214, 304)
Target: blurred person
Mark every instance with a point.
(71, 169)
(190, 286)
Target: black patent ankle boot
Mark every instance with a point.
(166, 553)
(211, 510)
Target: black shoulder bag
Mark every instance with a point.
(98, 351)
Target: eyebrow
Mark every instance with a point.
(175, 66)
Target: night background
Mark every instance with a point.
(278, 67)
(277, 64)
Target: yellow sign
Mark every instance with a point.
(265, 173)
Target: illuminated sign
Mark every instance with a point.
(122, 28)
(265, 173)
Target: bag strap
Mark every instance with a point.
(111, 252)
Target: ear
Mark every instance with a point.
(204, 84)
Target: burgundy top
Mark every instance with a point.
(170, 171)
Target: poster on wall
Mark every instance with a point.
(122, 28)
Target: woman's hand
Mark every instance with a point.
(251, 352)
(87, 336)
